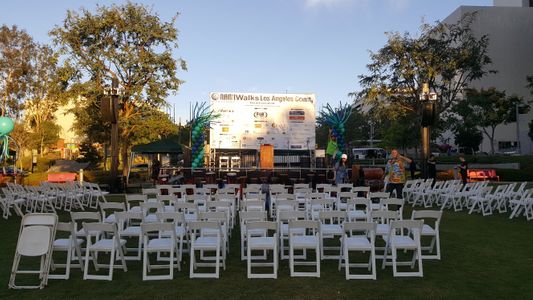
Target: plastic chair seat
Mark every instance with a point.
(403, 242)
(159, 244)
(105, 245)
(301, 242)
(331, 229)
(261, 243)
(357, 243)
(206, 243)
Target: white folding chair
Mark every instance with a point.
(331, 230)
(358, 236)
(68, 244)
(160, 238)
(108, 210)
(180, 231)
(133, 202)
(404, 235)
(304, 235)
(201, 242)
(429, 230)
(284, 217)
(269, 241)
(113, 245)
(358, 209)
(245, 217)
(128, 224)
(36, 236)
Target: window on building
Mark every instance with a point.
(507, 145)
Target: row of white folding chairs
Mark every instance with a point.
(224, 202)
(312, 203)
(112, 237)
(312, 234)
(49, 197)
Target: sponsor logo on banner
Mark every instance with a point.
(278, 118)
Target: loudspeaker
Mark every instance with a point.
(428, 113)
(107, 110)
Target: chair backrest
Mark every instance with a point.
(383, 216)
(301, 186)
(306, 224)
(426, 214)
(93, 216)
(284, 196)
(167, 199)
(350, 227)
(332, 217)
(158, 227)
(286, 205)
(92, 229)
(410, 225)
(199, 225)
(135, 200)
(345, 187)
(355, 202)
(65, 227)
(45, 219)
(344, 196)
(267, 225)
(253, 205)
(153, 192)
(218, 216)
(246, 216)
(148, 207)
(285, 216)
(124, 217)
(177, 218)
(365, 190)
(34, 240)
(379, 195)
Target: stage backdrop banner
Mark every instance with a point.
(247, 120)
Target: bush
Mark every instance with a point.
(515, 175)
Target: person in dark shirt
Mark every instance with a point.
(432, 167)
(412, 168)
(156, 167)
(463, 169)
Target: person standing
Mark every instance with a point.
(156, 167)
(412, 168)
(395, 169)
(341, 171)
(463, 169)
(432, 167)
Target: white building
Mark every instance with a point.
(509, 26)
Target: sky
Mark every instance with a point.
(270, 46)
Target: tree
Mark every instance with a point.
(401, 133)
(45, 136)
(16, 51)
(46, 92)
(488, 109)
(447, 56)
(128, 42)
(468, 137)
(89, 154)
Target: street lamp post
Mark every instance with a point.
(110, 114)
(428, 119)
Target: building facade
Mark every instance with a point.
(509, 26)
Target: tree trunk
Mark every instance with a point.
(125, 160)
(492, 141)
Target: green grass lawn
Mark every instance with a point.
(482, 257)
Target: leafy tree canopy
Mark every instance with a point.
(447, 56)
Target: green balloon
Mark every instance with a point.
(6, 125)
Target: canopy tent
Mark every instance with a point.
(160, 146)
